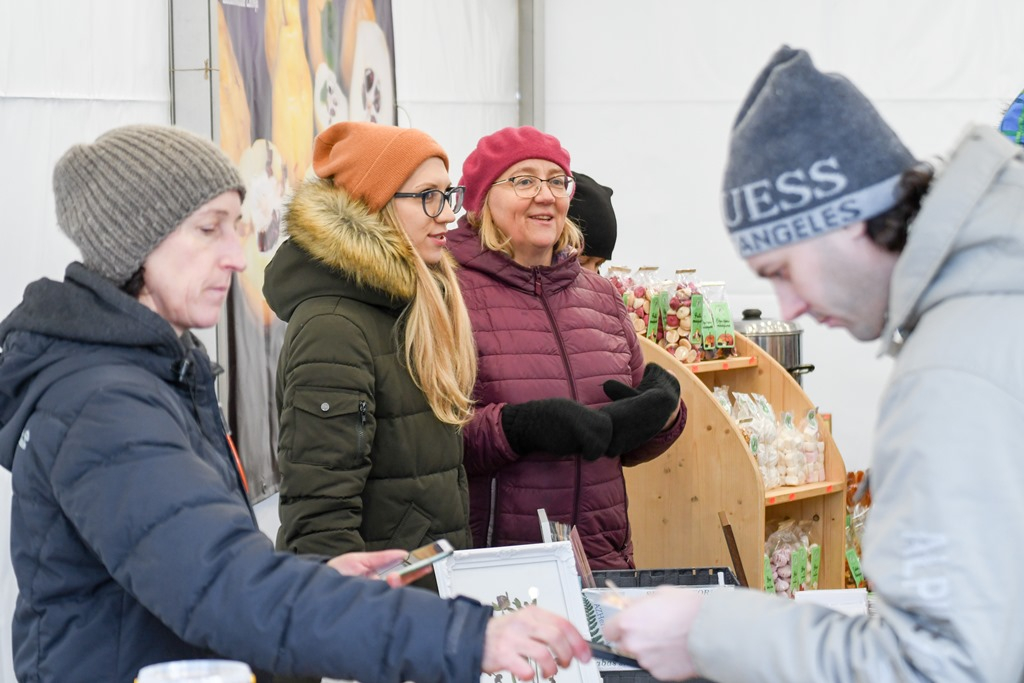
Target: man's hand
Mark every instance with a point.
(532, 634)
(656, 630)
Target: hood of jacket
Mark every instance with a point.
(464, 244)
(331, 235)
(968, 238)
(55, 329)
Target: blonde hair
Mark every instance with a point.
(437, 336)
(494, 239)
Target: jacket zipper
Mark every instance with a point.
(205, 413)
(362, 423)
(538, 290)
(490, 514)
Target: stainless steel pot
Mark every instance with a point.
(779, 338)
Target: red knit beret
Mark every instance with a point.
(499, 151)
(371, 161)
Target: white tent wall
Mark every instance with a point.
(642, 94)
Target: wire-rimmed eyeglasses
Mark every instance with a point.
(434, 200)
(527, 186)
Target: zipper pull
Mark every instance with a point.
(536, 283)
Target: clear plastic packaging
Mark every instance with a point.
(792, 560)
(716, 335)
(792, 460)
(757, 424)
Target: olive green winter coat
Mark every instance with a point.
(365, 464)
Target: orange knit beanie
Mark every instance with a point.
(371, 161)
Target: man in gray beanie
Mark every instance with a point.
(808, 155)
(132, 538)
(823, 199)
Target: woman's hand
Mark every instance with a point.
(368, 564)
(546, 639)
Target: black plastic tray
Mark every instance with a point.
(640, 578)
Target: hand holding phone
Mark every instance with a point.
(423, 556)
(603, 651)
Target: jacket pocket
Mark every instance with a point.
(331, 427)
(412, 530)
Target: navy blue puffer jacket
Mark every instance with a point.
(132, 539)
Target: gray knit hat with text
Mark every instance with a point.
(120, 196)
(808, 154)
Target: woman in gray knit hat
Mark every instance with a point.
(131, 534)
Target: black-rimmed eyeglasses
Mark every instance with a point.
(527, 186)
(434, 200)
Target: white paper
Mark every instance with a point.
(851, 601)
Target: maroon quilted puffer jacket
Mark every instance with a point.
(546, 332)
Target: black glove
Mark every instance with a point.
(556, 425)
(639, 414)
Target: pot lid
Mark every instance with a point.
(752, 324)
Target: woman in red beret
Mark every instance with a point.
(563, 398)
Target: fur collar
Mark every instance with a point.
(342, 234)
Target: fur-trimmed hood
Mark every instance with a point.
(332, 235)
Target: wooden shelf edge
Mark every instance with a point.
(731, 363)
(787, 494)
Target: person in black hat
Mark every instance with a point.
(591, 209)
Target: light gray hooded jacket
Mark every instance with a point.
(943, 543)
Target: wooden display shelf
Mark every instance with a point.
(675, 499)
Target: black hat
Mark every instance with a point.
(591, 209)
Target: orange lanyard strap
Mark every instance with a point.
(238, 463)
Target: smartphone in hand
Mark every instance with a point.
(603, 651)
(419, 558)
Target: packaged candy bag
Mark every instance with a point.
(679, 321)
(792, 560)
(621, 278)
(759, 429)
(721, 394)
(712, 322)
(792, 460)
(858, 502)
(813, 447)
(638, 299)
(768, 457)
(746, 414)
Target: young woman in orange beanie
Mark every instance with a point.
(378, 363)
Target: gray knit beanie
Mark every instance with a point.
(808, 154)
(120, 196)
